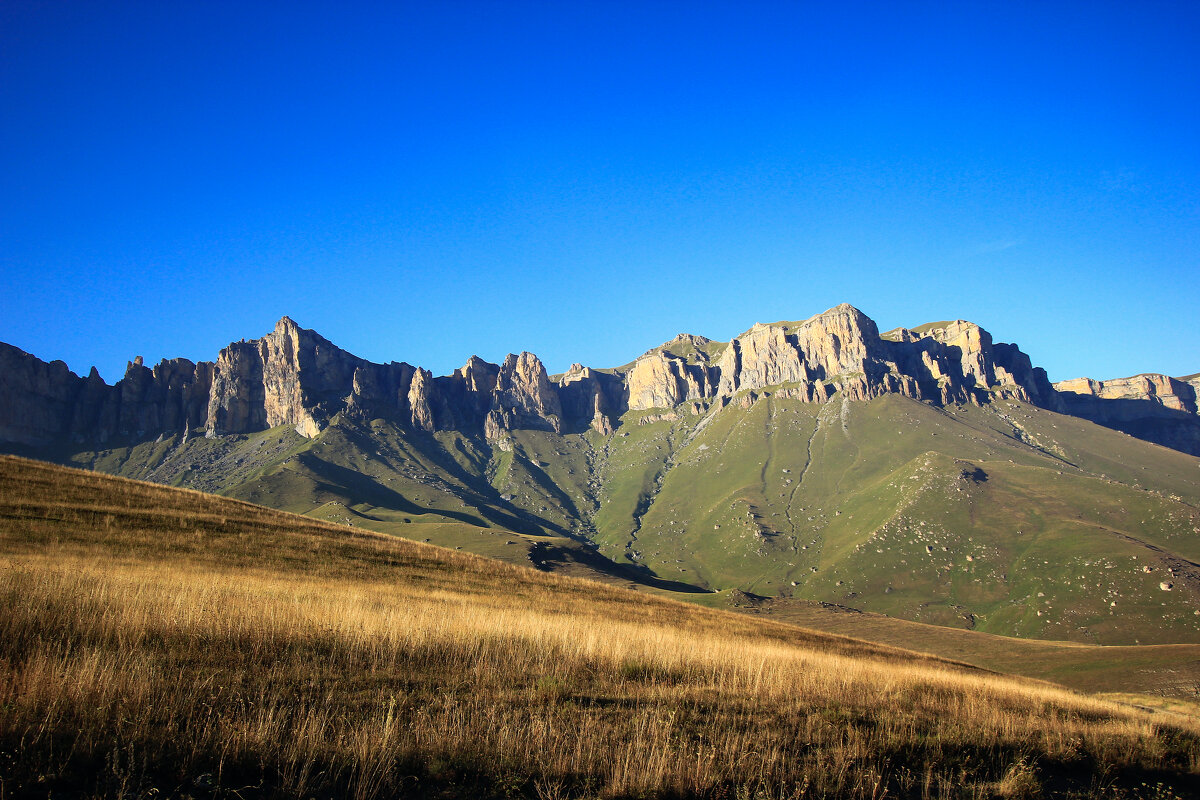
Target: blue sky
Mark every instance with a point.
(425, 181)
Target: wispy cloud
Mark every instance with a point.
(991, 248)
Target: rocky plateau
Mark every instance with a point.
(293, 376)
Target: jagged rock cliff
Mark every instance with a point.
(1151, 406)
(663, 380)
(44, 403)
(1171, 393)
(842, 351)
(293, 376)
(37, 400)
(839, 350)
(591, 396)
(523, 398)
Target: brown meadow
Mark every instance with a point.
(159, 642)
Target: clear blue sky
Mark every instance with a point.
(423, 181)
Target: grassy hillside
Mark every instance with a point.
(158, 642)
(1006, 519)
(1158, 676)
(444, 486)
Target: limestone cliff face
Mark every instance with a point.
(973, 346)
(841, 350)
(1017, 377)
(420, 401)
(293, 376)
(842, 341)
(1162, 390)
(393, 390)
(43, 403)
(37, 400)
(590, 397)
(523, 397)
(171, 397)
(958, 362)
(662, 380)
(762, 356)
(468, 394)
(676, 372)
(1151, 406)
(237, 402)
(1000, 369)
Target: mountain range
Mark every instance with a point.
(929, 474)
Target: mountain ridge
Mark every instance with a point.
(295, 376)
(917, 474)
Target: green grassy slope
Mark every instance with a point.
(1004, 518)
(525, 500)
(1007, 519)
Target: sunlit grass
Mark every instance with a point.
(163, 642)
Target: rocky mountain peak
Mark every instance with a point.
(293, 376)
(660, 379)
(286, 324)
(859, 319)
(478, 375)
(524, 397)
(690, 339)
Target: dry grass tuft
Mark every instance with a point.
(155, 642)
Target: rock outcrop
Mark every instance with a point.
(43, 403)
(420, 407)
(293, 376)
(662, 380)
(38, 400)
(592, 396)
(957, 362)
(1150, 406)
(842, 351)
(676, 372)
(171, 397)
(523, 398)
(1171, 393)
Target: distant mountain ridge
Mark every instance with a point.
(1150, 406)
(294, 376)
(929, 474)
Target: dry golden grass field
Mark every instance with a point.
(157, 642)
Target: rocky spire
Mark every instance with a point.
(523, 397)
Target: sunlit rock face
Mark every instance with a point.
(1154, 407)
(293, 376)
